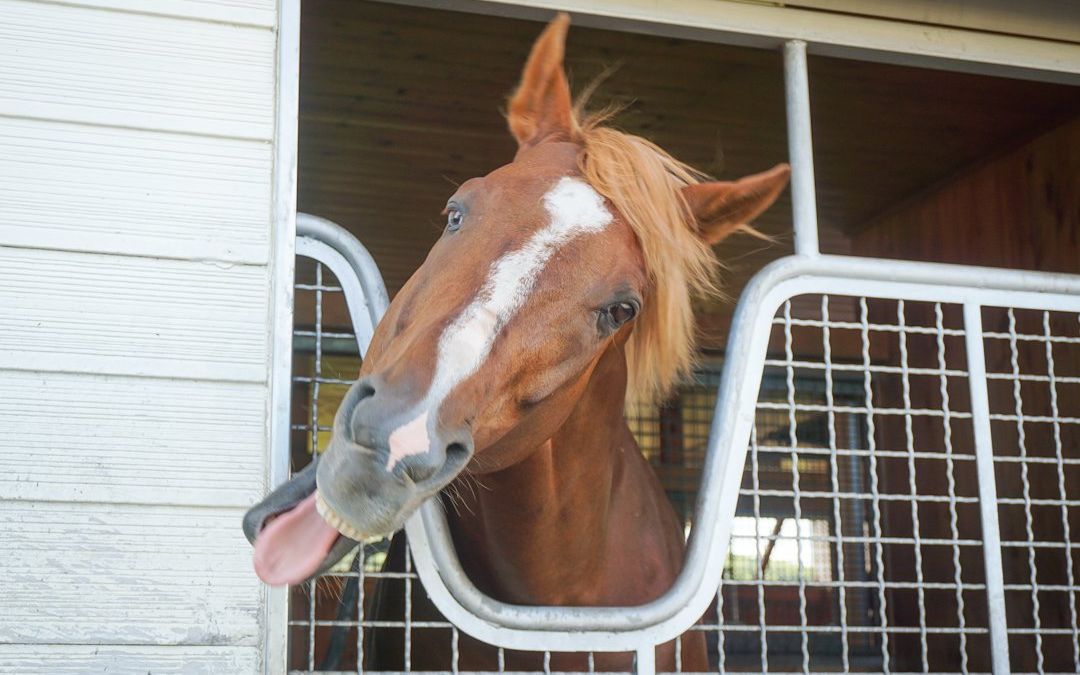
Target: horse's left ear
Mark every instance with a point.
(722, 207)
(541, 106)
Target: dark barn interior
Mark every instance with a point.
(399, 104)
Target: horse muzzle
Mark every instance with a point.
(352, 492)
(292, 542)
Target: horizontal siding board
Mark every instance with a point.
(109, 574)
(121, 660)
(94, 438)
(88, 313)
(243, 12)
(109, 68)
(108, 190)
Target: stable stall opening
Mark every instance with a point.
(856, 545)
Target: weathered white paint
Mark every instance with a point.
(100, 189)
(96, 438)
(88, 573)
(90, 313)
(124, 69)
(237, 12)
(574, 209)
(141, 659)
(275, 611)
(138, 164)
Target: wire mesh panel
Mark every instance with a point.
(856, 545)
(856, 541)
(1033, 373)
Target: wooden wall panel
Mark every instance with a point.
(93, 438)
(82, 659)
(134, 70)
(1020, 210)
(90, 573)
(89, 313)
(107, 190)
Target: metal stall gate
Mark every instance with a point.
(888, 480)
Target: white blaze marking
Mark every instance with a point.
(575, 209)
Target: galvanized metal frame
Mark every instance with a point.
(359, 276)
(639, 628)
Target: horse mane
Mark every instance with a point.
(645, 183)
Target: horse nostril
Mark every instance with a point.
(457, 454)
(354, 415)
(364, 390)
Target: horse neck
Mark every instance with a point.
(535, 531)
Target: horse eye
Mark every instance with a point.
(621, 312)
(453, 219)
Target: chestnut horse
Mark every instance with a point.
(560, 288)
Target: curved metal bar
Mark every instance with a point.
(341, 240)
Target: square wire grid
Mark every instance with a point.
(1033, 373)
(856, 545)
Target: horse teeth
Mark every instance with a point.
(335, 521)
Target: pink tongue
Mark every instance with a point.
(293, 545)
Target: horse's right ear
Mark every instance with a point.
(540, 108)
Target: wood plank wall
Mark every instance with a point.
(136, 159)
(1020, 209)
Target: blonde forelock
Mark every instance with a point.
(644, 183)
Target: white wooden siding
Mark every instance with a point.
(90, 313)
(106, 190)
(133, 660)
(137, 164)
(238, 12)
(88, 573)
(95, 438)
(123, 69)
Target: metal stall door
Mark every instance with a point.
(838, 552)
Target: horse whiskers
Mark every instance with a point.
(335, 585)
(474, 481)
(471, 484)
(453, 492)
